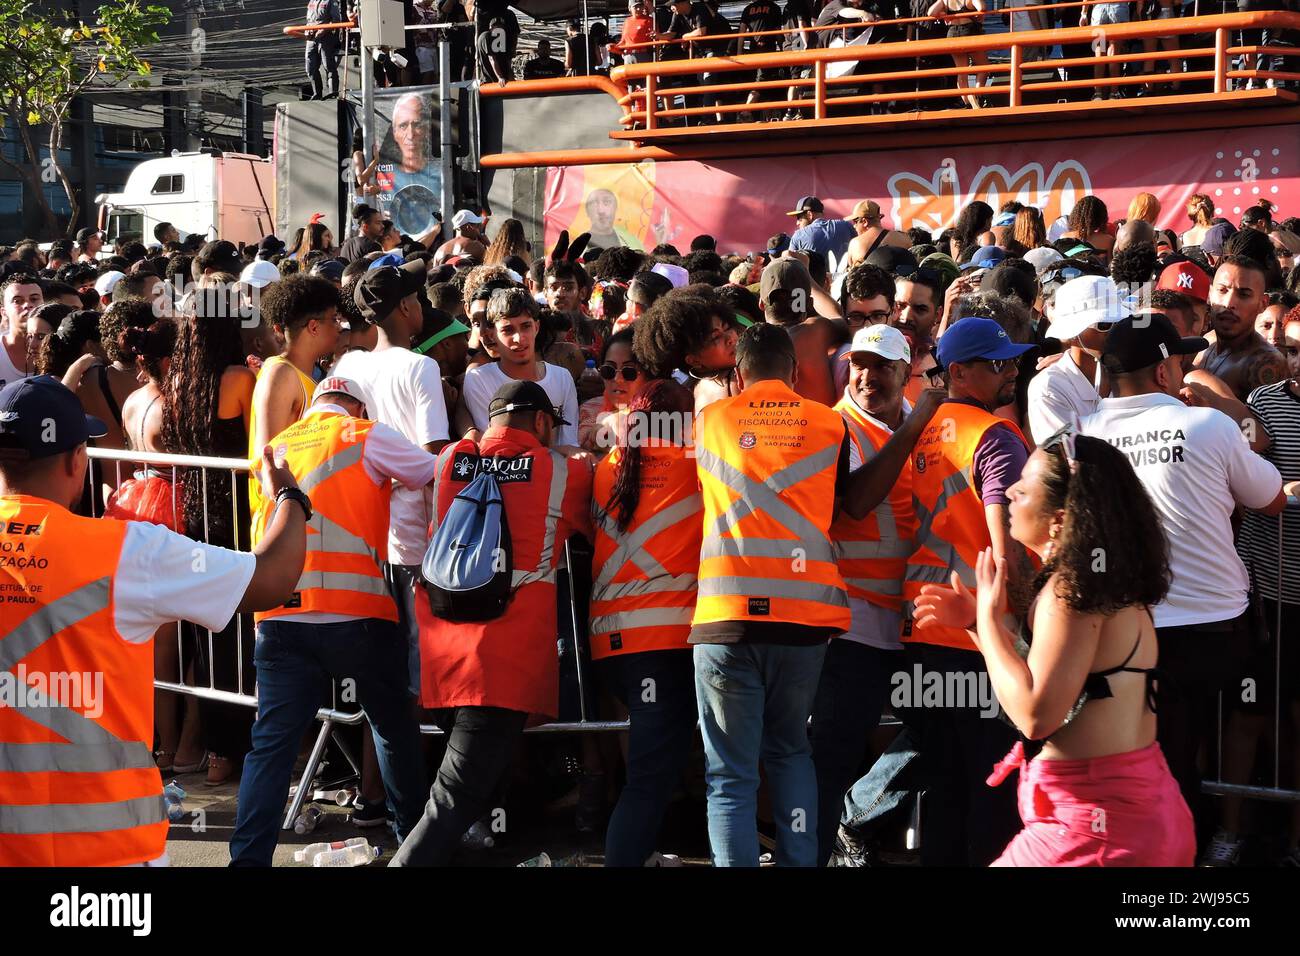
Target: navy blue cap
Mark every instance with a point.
(986, 257)
(977, 338)
(387, 259)
(331, 269)
(40, 417)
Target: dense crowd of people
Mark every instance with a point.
(1017, 483)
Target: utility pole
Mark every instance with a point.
(193, 95)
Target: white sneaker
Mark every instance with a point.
(1223, 850)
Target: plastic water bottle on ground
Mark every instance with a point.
(173, 795)
(351, 855)
(308, 820)
(310, 852)
(342, 796)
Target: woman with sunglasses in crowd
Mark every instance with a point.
(1076, 676)
(598, 418)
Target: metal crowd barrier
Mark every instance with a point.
(1276, 792)
(113, 466)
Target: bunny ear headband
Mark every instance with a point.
(564, 251)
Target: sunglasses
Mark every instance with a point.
(1064, 437)
(997, 365)
(609, 370)
(868, 318)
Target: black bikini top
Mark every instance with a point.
(1096, 686)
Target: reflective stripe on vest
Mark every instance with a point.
(646, 617)
(342, 573)
(952, 519)
(872, 551)
(644, 588)
(767, 462)
(632, 548)
(83, 817)
(90, 748)
(545, 570)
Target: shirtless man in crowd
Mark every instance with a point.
(1240, 356)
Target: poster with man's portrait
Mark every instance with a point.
(409, 174)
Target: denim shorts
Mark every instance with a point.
(1104, 13)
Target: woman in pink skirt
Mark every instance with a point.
(1098, 793)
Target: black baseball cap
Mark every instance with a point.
(380, 291)
(223, 255)
(522, 397)
(84, 234)
(270, 246)
(807, 204)
(1144, 339)
(40, 417)
(331, 269)
(893, 259)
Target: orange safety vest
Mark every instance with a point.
(511, 661)
(767, 461)
(78, 784)
(643, 578)
(952, 529)
(873, 551)
(348, 532)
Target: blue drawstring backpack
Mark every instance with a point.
(468, 567)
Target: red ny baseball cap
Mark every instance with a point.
(1187, 278)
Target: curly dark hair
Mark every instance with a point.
(866, 281)
(702, 261)
(1135, 263)
(1108, 514)
(68, 341)
(1088, 216)
(292, 302)
(618, 262)
(976, 218)
(206, 345)
(679, 323)
(742, 300)
(1255, 245)
(151, 346)
(660, 396)
(116, 319)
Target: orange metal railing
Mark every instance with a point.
(648, 100)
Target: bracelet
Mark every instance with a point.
(296, 495)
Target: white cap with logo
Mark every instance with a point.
(883, 340)
(337, 385)
(464, 217)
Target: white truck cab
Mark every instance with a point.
(215, 194)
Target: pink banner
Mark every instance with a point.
(742, 202)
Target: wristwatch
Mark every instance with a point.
(295, 494)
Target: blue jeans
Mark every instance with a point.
(658, 745)
(754, 701)
(403, 582)
(965, 822)
(295, 662)
(850, 696)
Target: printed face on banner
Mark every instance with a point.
(409, 173)
(743, 201)
(613, 203)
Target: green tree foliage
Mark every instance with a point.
(50, 56)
